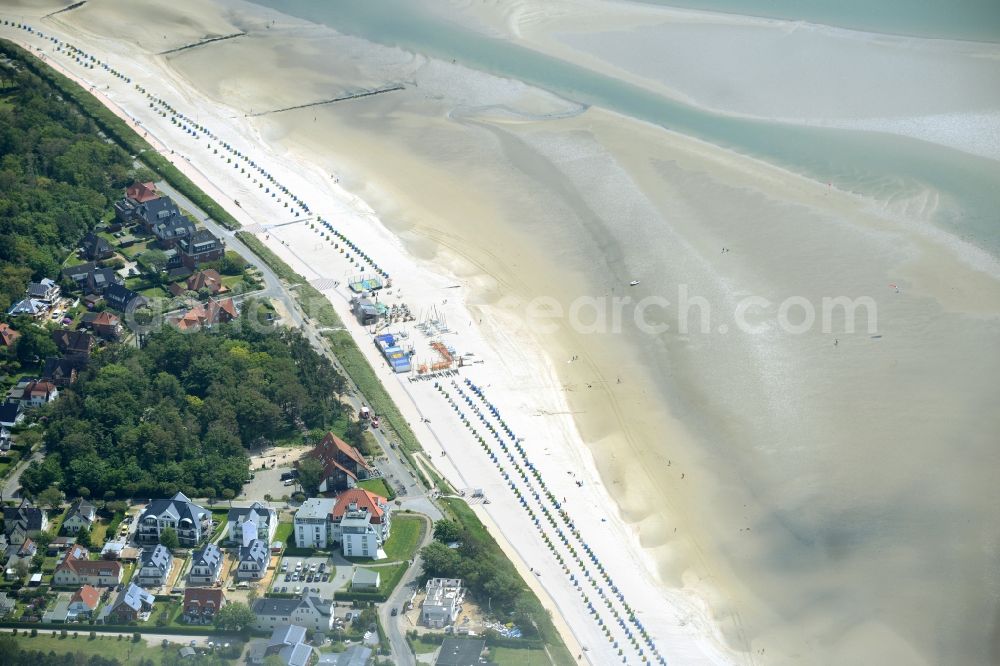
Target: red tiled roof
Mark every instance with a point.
(76, 561)
(7, 335)
(39, 387)
(213, 312)
(207, 278)
(331, 444)
(364, 499)
(105, 319)
(89, 595)
(203, 596)
(142, 192)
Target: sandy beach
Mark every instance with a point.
(757, 498)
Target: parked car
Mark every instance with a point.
(326, 577)
(395, 612)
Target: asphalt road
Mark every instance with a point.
(12, 486)
(393, 630)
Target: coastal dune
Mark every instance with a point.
(814, 497)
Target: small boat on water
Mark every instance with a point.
(633, 283)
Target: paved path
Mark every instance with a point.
(393, 625)
(12, 486)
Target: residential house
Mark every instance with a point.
(443, 602)
(15, 536)
(28, 517)
(131, 605)
(208, 279)
(360, 523)
(343, 465)
(142, 192)
(46, 290)
(7, 335)
(118, 549)
(11, 413)
(98, 280)
(123, 299)
(76, 569)
(28, 549)
(201, 604)
(80, 514)
(201, 247)
(91, 279)
(265, 519)
(104, 324)
(356, 655)
(84, 602)
(163, 219)
(206, 566)
(59, 612)
(38, 392)
(254, 556)
(308, 611)
(136, 194)
(288, 643)
(29, 306)
(95, 248)
(462, 652)
(60, 545)
(78, 272)
(7, 605)
(62, 371)
(155, 566)
(74, 344)
(312, 523)
(365, 579)
(207, 314)
(192, 522)
(149, 212)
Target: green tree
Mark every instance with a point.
(232, 263)
(83, 537)
(168, 538)
(447, 530)
(153, 260)
(439, 561)
(9, 650)
(22, 568)
(51, 497)
(235, 617)
(310, 475)
(34, 345)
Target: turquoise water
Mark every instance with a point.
(869, 163)
(977, 20)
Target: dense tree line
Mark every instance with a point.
(485, 571)
(58, 176)
(180, 413)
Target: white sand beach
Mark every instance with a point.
(757, 498)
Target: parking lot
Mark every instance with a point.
(335, 577)
(268, 481)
